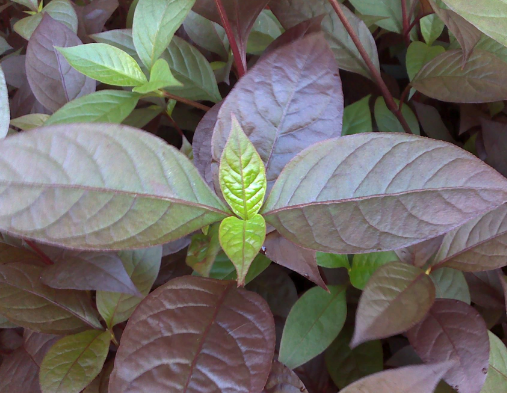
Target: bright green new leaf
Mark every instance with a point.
(364, 265)
(418, 54)
(29, 122)
(496, 380)
(155, 22)
(312, 325)
(333, 261)
(431, 28)
(160, 76)
(105, 106)
(5, 113)
(450, 284)
(74, 361)
(241, 240)
(387, 121)
(142, 266)
(357, 117)
(105, 63)
(242, 174)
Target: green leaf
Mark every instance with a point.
(31, 121)
(313, 323)
(242, 240)
(32, 4)
(162, 199)
(5, 114)
(242, 174)
(389, 9)
(203, 250)
(483, 79)
(207, 34)
(489, 16)
(160, 76)
(388, 122)
(450, 284)
(357, 117)
(264, 32)
(418, 54)
(347, 365)
(496, 380)
(140, 117)
(26, 26)
(142, 266)
(223, 269)
(364, 265)
(74, 361)
(105, 106)
(4, 46)
(105, 63)
(155, 22)
(431, 28)
(333, 261)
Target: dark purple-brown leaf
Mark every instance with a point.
(283, 380)
(93, 16)
(196, 335)
(486, 289)
(53, 81)
(494, 135)
(419, 253)
(453, 330)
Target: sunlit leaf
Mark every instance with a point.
(160, 76)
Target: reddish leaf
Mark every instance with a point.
(453, 330)
(432, 122)
(420, 253)
(14, 70)
(288, 101)
(503, 282)
(396, 297)
(93, 16)
(53, 81)
(486, 288)
(196, 335)
(293, 257)
(494, 135)
(283, 380)
(176, 245)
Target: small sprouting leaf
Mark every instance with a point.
(382, 310)
(242, 240)
(4, 106)
(411, 379)
(496, 380)
(242, 174)
(105, 63)
(163, 199)
(187, 334)
(283, 380)
(155, 22)
(313, 323)
(323, 202)
(478, 245)
(74, 361)
(347, 365)
(357, 117)
(333, 261)
(418, 54)
(142, 266)
(33, 305)
(160, 76)
(364, 265)
(105, 106)
(388, 122)
(431, 28)
(203, 250)
(483, 79)
(29, 122)
(450, 284)
(454, 330)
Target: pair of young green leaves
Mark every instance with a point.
(242, 179)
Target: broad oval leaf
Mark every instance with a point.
(396, 298)
(33, 305)
(333, 196)
(418, 54)
(51, 78)
(480, 244)
(155, 22)
(481, 80)
(283, 380)
(242, 174)
(87, 203)
(431, 28)
(313, 323)
(292, 12)
(143, 267)
(4, 106)
(364, 265)
(196, 335)
(207, 34)
(496, 380)
(411, 379)
(281, 105)
(74, 361)
(105, 63)
(242, 240)
(454, 330)
(105, 106)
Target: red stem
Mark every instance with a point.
(391, 104)
(186, 101)
(238, 59)
(404, 96)
(39, 252)
(405, 22)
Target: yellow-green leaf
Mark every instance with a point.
(160, 76)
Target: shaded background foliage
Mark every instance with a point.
(275, 226)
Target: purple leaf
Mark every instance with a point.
(486, 289)
(418, 254)
(494, 135)
(283, 380)
(93, 16)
